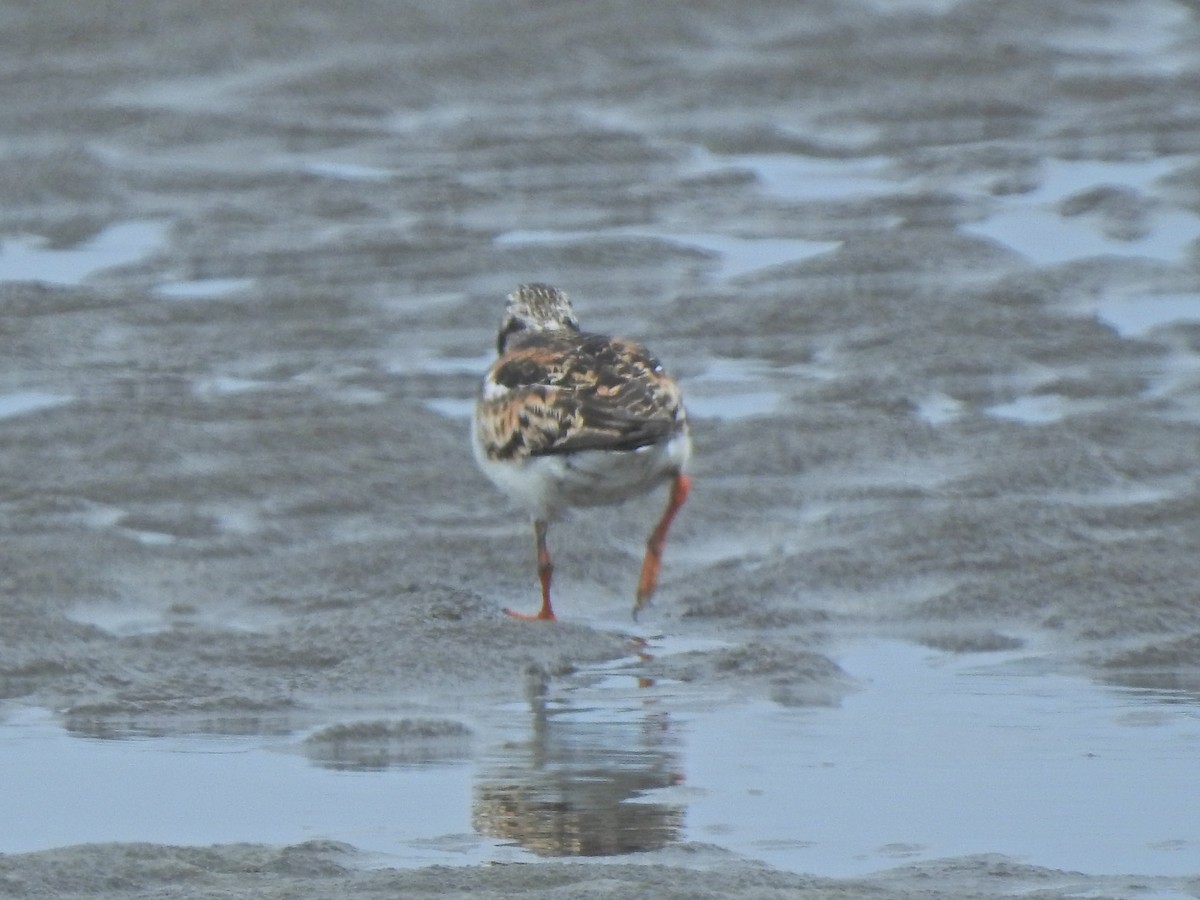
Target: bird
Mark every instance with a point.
(566, 418)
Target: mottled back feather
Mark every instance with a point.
(558, 392)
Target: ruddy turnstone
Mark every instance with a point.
(566, 418)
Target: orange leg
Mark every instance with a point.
(680, 488)
(545, 570)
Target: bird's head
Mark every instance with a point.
(535, 307)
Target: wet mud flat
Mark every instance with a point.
(927, 273)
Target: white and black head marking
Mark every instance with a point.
(537, 308)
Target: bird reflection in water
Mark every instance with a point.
(576, 787)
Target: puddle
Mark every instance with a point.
(28, 258)
(224, 385)
(740, 388)
(1060, 178)
(1135, 317)
(1033, 225)
(1046, 238)
(61, 790)
(938, 755)
(1042, 409)
(947, 755)
(1172, 377)
(790, 176)
(22, 402)
(740, 256)
(940, 409)
(203, 288)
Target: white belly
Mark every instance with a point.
(546, 485)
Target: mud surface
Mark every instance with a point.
(927, 272)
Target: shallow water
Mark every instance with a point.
(1138, 316)
(937, 755)
(943, 756)
(1047, 228)
(22, 402)
(60, 790)
(28, 258)
(202, 289)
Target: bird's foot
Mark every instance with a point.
(542, 615)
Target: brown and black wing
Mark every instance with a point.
(588, 392)
(625, 399)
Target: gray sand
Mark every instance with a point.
(940, 429)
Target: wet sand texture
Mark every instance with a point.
(927, 272)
